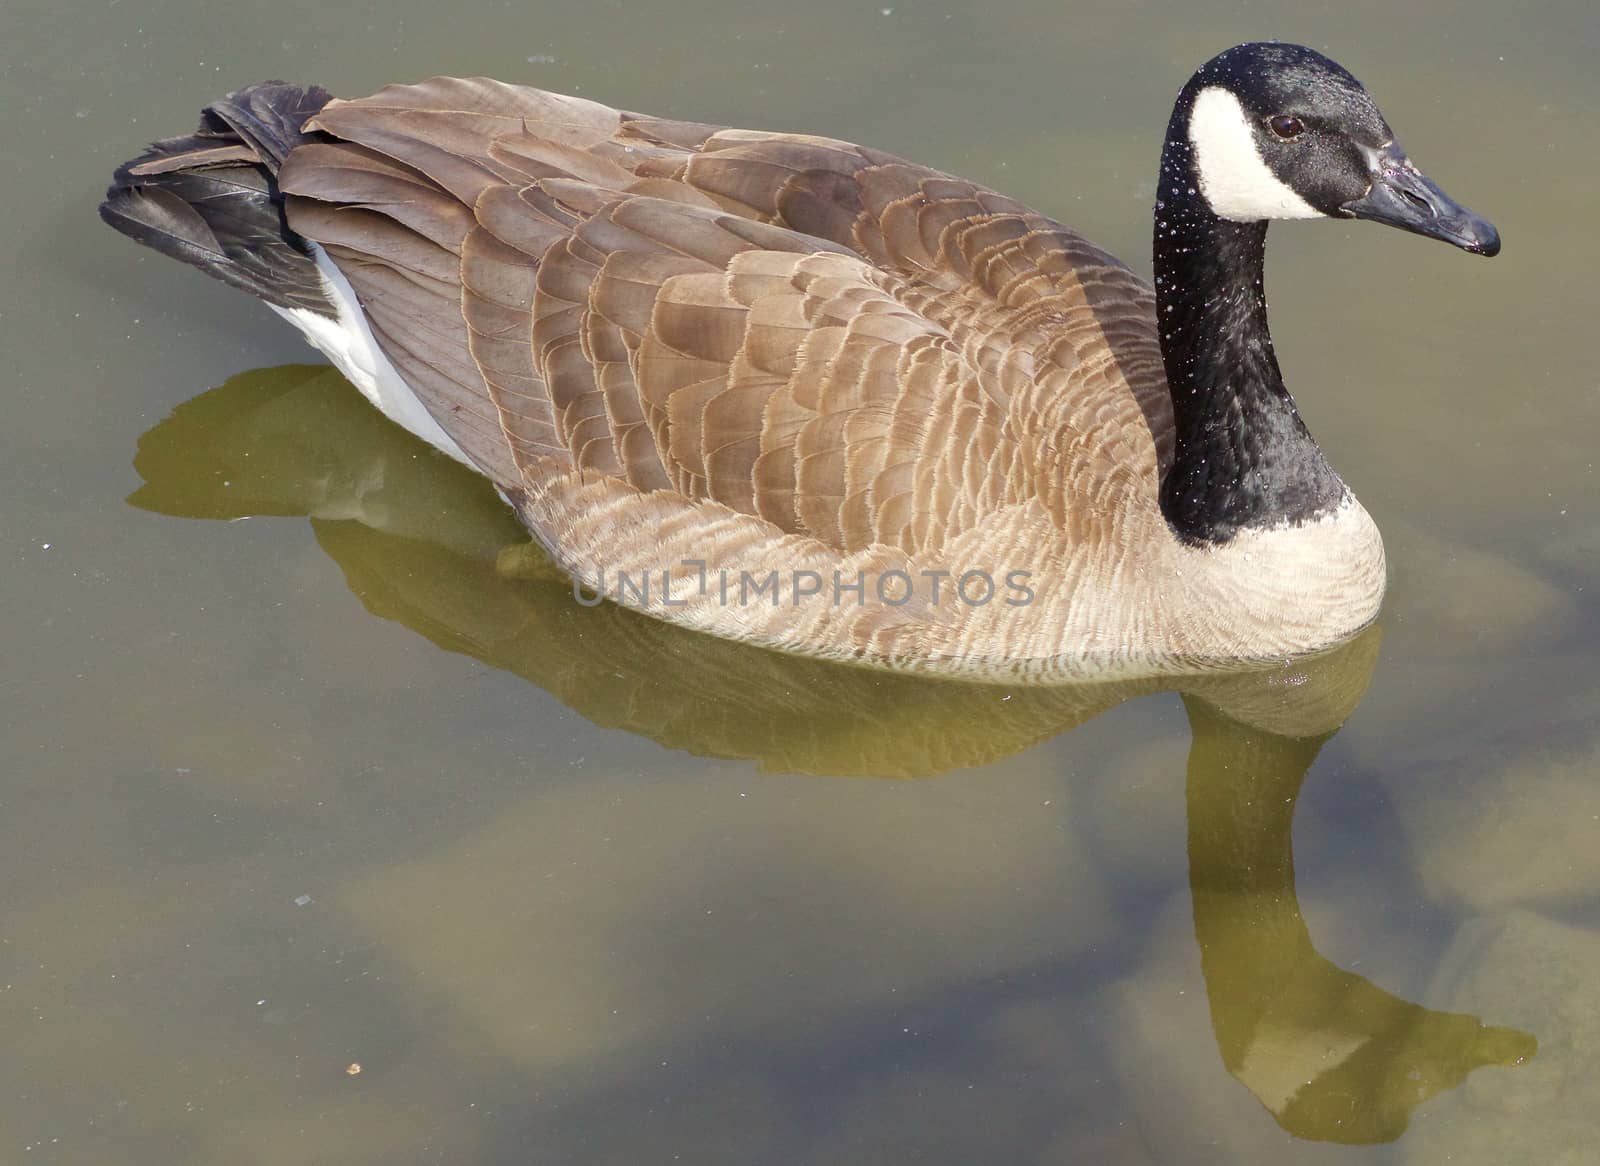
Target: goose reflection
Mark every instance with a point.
(426, 543)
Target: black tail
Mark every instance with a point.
(211, 199)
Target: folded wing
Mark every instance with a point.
(811, 333)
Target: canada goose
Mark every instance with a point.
(803, 393)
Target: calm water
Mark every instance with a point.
(284, 797)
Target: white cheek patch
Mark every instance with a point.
(1233, 177)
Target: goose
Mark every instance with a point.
(802, 393)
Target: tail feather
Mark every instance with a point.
(266, 116)
(211, 199)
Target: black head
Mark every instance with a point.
(1279, 131)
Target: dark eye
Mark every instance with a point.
(1286, 126)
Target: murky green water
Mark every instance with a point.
(279, 798)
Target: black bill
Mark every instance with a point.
(1404, 197)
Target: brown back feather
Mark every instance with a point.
(841, 343)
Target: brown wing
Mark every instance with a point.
(838, 342)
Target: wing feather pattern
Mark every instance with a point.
(658, 329)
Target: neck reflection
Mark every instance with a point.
(1332, 1056)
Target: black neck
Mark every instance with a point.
(1243, 457)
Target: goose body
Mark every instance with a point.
(798, 392)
